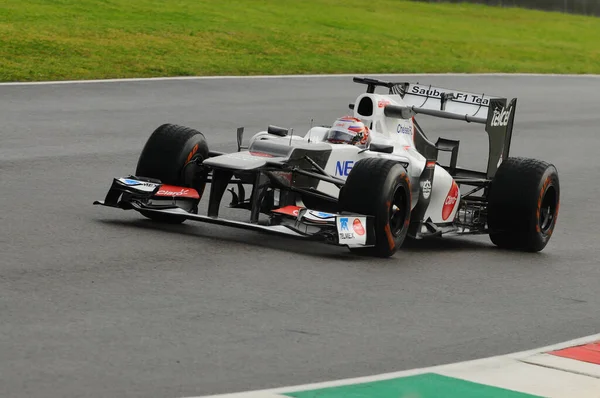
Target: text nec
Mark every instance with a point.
(343, 168)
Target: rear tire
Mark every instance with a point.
(173, 155)
(523, 203)
(380, 188)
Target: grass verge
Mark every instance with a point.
(93, 39)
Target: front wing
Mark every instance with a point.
(344, 229)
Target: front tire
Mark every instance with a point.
(173, 154)
(523, 203)
(380, 188)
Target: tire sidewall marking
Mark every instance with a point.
(547, 184)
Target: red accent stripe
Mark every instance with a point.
(261, 154)
(288, 210)
(178, 192)
(586, 353)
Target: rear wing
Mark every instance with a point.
(450, 102)
(496, 113)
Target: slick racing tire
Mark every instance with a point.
(173, 154)
(523, 202)
(380, 188)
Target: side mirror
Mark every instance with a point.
(384, 148)
(280, 131)
(240, 138)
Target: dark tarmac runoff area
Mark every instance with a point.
(98, 302)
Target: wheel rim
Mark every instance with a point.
(398, 211)
(193, 173)
(548, 210)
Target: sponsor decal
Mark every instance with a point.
(428, 91)
(137, 185)
(458, 96)
(426, 189)
(343, 168)
(180, 192)
(128, 181)
(501, 116)
(166, 192)
(344, 124)
(344, 224)
(382, 103)
(288, 210)
(358, 227)
(354, 234)
(402, 129)
(450, 202)
(321, 214)
(471, 99)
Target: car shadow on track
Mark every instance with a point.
(445, 244)
(458, 244)
(239, 236)
(298, 246)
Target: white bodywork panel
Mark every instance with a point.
(399, 133)
(445, 197)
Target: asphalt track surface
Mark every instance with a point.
(96, 302)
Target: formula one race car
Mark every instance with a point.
(367, 182)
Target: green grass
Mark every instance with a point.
(89, 39)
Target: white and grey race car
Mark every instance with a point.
(368, 199)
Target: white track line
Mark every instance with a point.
(521, 356)
(564, 364)
(152, 79)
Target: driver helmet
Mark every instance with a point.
(348, 130)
